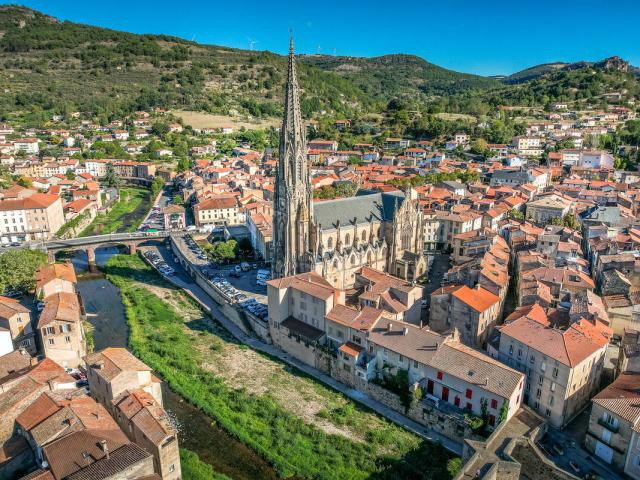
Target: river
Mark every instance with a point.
(197, 431)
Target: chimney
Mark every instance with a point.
(105, 448)
(389, 327)
(405, 330)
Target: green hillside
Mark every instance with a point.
(55, 66)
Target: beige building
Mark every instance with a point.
(60, 328)
(218, 211)
(36, 217)
(546, 208)
(16, 318)
(474, 312)
(55, 278)
(399, 299)
(298, 306)
(113, 371)
(563, 366)
(612, 435)
(146, 423)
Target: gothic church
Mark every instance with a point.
(336, 238)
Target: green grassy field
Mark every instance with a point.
(125, 216)
(171, 343)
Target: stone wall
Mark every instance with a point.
(249, 324)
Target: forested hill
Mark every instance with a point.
(66, 66)
(48, 66)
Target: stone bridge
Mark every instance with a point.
(90, 244)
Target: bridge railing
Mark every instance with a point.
(107, 238)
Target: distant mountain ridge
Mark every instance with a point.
(537, 71)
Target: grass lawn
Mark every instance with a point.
(125, 216)
(300, 426)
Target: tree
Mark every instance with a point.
(183, 164)
(18, 269)
(222, 252)
(156, 186)
(517, 214)
(479, 146)
(70, 175)
(177, 199)
(25, 182)
(111, 178)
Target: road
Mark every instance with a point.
(182, 280)
(154, 218)
(571, 439)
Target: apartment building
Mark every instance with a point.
(112, 371)
(60, 329)
(450, 224)
(36, 217)
(612, 434)
(548, 207)
(218, 211)
(563, 365)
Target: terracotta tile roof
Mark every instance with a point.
(51, 271)
(417, 344)
(569, 347)
(62, 306)
(310, 283)
(79, 455)
(16, 361)
(474, 367)
(113, 361)
(351, 349)
(38, 411)
(622, 397)
(39, 475)
(10, 307)
(478, 299)
(142, 410)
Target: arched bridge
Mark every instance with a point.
(90, 244)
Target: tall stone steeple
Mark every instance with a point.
(293, 192)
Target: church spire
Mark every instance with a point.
(292, 137)
(293, 212)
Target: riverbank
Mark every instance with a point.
(300, 426)
(126, 215)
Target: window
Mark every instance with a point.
(415, 364)
(172, 468)
(494, 403)
(400, 358)
(555, 372)
(552, 387)
(430, 387)
(548, 412)
(66, 328)
(50, 331)
(519, 353)
(550, 401)
(532, 359)
(347, 239)
(67, 339)
(468, 393)
(510, 349)
(439, 375)
(445, 394)
(538, 393)
(469, 406)
(51, 341)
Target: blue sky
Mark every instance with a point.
(479, 36)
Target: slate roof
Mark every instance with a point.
(361, 209)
